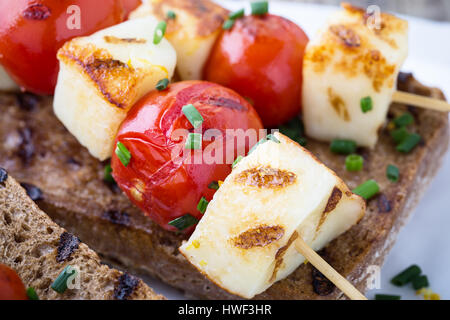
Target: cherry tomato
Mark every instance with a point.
(32, 31)
(165, 179)
(261, 58)
(130, 5)
(11, 287)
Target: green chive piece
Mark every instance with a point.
(404, 120)
(294, 129)
(302, 141)
(183, 222)
(194, 141)
(392, 173)
(420, 282)
(202, 205)
(410, 142)
(159, 32)
(354, 162)
(366, 104)
(406, 276)
(238, 159)
(343, 146)
(228, 24)
(31, 293)
(399, 135)
(272, 138)
(171, 14)
(386, 297)
(368, 189)
(192, 114)
(237, 14)
(107, 174)
(60, 284)
(260, 8)
(162, 84)
(214, 185)
(123, 154)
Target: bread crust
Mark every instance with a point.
(75, 196)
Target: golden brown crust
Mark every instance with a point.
(260, 236)
(266, 177)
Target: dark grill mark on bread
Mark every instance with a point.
(3, 175)
(32, 191)
(404, 77)
(37, 12)
(321, 285)
(346, 35)
(117, 217)
(27, 101)
(68, 243)
(259, 237)
(280, 254)
(383, 203)
(266, 177)
(26, 147)
(125, 286)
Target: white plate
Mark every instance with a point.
(425, 240)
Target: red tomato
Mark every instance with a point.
(261, 58)
(130, 5)
(154, 132)
(32, 31)
(11, 287)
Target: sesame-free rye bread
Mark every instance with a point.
(38, 150)
(38, 249)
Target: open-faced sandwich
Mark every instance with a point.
(180, 95)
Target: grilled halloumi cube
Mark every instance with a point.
(192, 32)
(6, 83)
(350, 59)
(103, 75)
(280, 191)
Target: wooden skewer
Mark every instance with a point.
(420, 101)
(327, 270)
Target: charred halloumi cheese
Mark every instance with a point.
(6, 83)
(192, 32)
(279, 192)
(103, 75)
(354, 56)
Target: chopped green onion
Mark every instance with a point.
(214, 185)
(354, 162)
(392, 173)
(238, 159)
(60, 284)
(237, 14)
(366, 104)
(194, 141)
(108, 174)
(419, 282)
(343, 146)
(159, 32)
(260, 7)
(272, 138)
(386, 297)
(406, 276)
(171, 14)
(162, 84)
(183, 222)
(123, 153)
(368, 189)
(228, 24)
(192, 114)
(202, 205)
(31, 293)
(404, 120)
(399, 135)
(294, 129)
(410, 142)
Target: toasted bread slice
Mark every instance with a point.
(38, 150)
(38, 249)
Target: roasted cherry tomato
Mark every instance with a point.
(11, 287)
(261, 58)
(166, 179)
(130, 5)
(32, 31)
